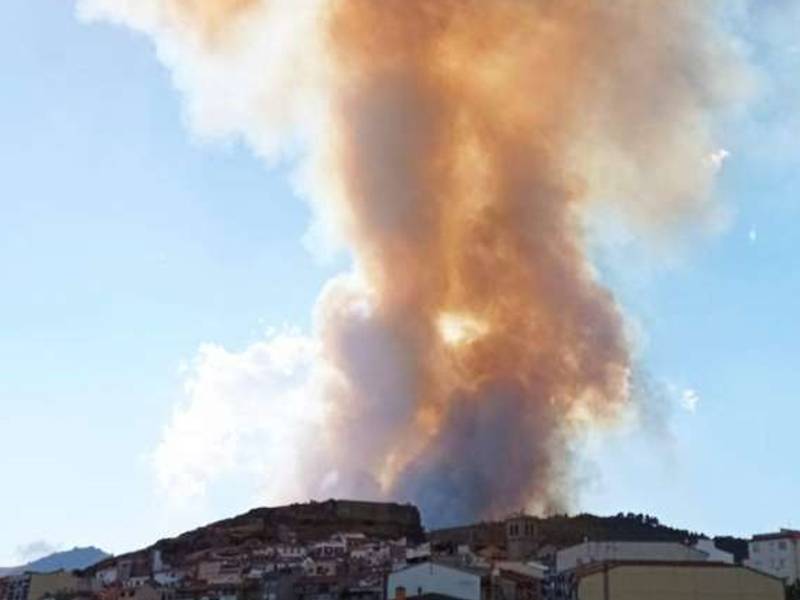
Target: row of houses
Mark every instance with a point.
(602, 570)
(625, 580)
(486, 562)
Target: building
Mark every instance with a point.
(107, 574)
(669, 581)
(419, 554)
(318, 587)
(35, 586)
(434, 578)
(335, 547)
(277, 586)
(146, 591)
(714, 554)
(517, 581)
(777, 554)
(16, 587)
(589, 553)
(48, 584)
(521, 536)
(477, 535)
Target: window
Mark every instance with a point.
(782, 545)
(755, 547)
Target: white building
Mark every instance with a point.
(595, 552)
(434, 578)
(419, 553)
(714, 553)
(107, 575)
(290, 553)
(777, 554)
(320, 567)
(372, 553)
(168, 578)
(136, 581)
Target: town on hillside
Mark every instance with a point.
(342, 549)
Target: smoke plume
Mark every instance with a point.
(456, 148)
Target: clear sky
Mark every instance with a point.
(125, 245)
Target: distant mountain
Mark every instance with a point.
(69, 560)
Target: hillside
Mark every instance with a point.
(313, 521)
(296, 522)
(562, 530)
(559, 531)
(68, 560)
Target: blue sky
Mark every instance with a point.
(125, 245)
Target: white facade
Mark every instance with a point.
(373, 554)
(107, 576)
(167, 578)
(714, 553)
(595, 552)
(777, 554)
(137, 581)
(420, 552)
(331, 548)
(530, 569)
(290, 552)
(433, 578)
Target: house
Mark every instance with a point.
(777, 554)
(372, 554)
(107, 575)
(289, 554)
(714, 554)
(15, 587)
(421, 553)
(220, 573)
(663, 580)
(169, 578)
(42, 584)
(513, 586)
(332, 548)
(145, 591)
(277, 586)
(321, 567)
(352, 539)
(434, 578)
(207, 591)
(136, 581)
(318, 587)
(588, 553)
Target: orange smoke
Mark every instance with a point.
(455, 121)
(465, 142)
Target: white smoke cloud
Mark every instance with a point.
(247, 411)
(35, 550)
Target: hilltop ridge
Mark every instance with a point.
(299, 522)
(68, 560)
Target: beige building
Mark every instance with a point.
(671, 581)
(588, 553)
(49, 584)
